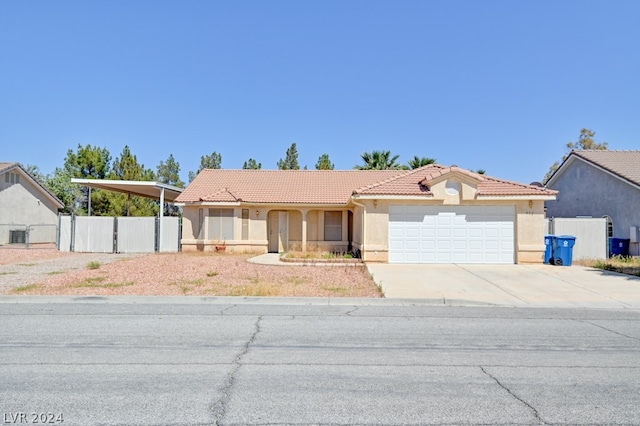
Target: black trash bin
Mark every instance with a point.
(619, 247)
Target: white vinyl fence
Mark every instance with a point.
(590, 233)
(96, 234)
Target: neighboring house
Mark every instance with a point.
(433, 214)
(26, 206)
(600, 183)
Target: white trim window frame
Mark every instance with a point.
(333, 225)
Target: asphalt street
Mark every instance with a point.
(224, 361)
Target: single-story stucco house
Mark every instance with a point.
(433, 214)
(600, 183)
(26, 206)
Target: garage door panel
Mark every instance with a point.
(412, 245)
(452, 234)
(427, 245)
(427, 233)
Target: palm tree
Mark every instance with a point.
(417, 162)
(380, 160)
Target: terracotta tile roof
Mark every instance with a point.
(417, 182)
(333, 186)
(280, 186)
(625, 164)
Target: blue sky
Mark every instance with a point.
(497, 85)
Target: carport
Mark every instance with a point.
(148, 189)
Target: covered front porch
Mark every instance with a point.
(310, 230)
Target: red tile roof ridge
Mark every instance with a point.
(401, 174)
(444, 170)
(225, 191)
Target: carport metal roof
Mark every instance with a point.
(154, 190)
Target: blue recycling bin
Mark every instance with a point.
(549, 241)
(619, 247)
(563, 250)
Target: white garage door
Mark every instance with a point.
(456, 234)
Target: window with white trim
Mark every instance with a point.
(609, 225)
(333, 226)
(200, 224)
(11, 177)
(220, 224)
(245, 224)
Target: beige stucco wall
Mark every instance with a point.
(23, 203)
(530, 232)
(259, 228)
(257, 238)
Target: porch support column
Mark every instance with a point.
(304, 229)
(160, 221)
(89, 203)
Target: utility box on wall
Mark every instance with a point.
(633, 234)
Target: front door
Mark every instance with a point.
(278, 231)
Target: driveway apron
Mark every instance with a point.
(509, 285)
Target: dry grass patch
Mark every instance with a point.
(94, 264)
(26, 288)
(211, 274)
(623, 265)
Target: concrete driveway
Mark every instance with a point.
(509, 285)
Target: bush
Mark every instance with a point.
(94, 264)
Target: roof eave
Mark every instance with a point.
(391, 197)
(549, 197)
(259, 204)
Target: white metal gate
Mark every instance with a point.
(96, 234)
(590, 233)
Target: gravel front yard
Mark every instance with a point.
(205, 274)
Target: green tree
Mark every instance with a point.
(586, 140)
(252, 164)
(481, 171)
(290, 162)
(417, 162)
(324, 163)
(380, 160)
(59, 184)
(213, 161)
(86, 162)
(169, 173)
(126, 167)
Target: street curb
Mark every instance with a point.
(230, 300)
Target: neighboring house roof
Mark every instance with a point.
(623, 164)
(7, 167)
(334, 186)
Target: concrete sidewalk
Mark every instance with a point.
(510, 285)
